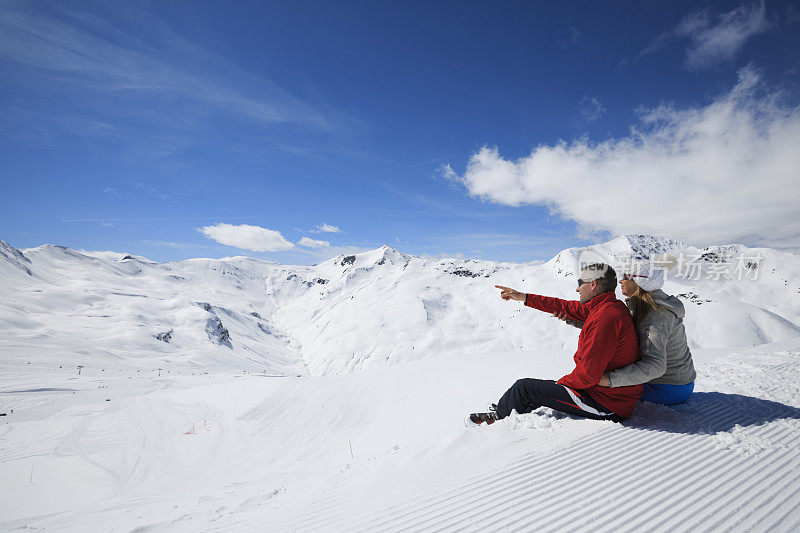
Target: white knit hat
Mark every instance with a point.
(645, 276)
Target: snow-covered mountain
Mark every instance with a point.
(111, 310)
(163, 430)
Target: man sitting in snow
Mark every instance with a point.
(608, 341)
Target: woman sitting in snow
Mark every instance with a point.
(666, 368)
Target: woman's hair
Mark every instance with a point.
(640, 305)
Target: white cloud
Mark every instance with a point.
(247, 237)
(326, 228)
(311, 243)
(711, 44)
(724, 172)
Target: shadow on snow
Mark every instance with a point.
(708, 413)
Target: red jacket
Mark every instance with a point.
(608, 341)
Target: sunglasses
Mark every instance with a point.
(582, 281)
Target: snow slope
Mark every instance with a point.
(332, 398)
(386, 449)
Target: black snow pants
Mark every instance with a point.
(528, 394)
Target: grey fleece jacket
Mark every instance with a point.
(666, 358)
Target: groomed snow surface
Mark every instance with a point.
(387, 450)
(340, 441)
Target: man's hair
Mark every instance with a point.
(608, 280)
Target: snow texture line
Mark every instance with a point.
(495, 486)
(479, 481)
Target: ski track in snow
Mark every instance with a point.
(735, 465)
(681, 482)
(195, 457)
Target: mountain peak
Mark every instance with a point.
(387, 253)
(619, 249)
(379, 256)
(646, 246)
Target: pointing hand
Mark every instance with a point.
(510, 294)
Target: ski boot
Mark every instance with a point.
(488, 418)
(480, 418)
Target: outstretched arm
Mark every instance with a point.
(570, 308)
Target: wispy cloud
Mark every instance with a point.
(591, 109)
(657, 44)
(436, 160)
(568, 37)
(247, 237)
(94, 57)
(714, 42)
(792, 14)
(151, 191)
(113, 192)
(137, 189)
(717, 173)
(713, 39)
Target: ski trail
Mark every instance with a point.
(500, 484)
(474, 484)
(329, 518)
(508, 499)
(453, 501)
(557, 505)
(620, 478)
(274, 455)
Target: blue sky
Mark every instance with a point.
(293, 131)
